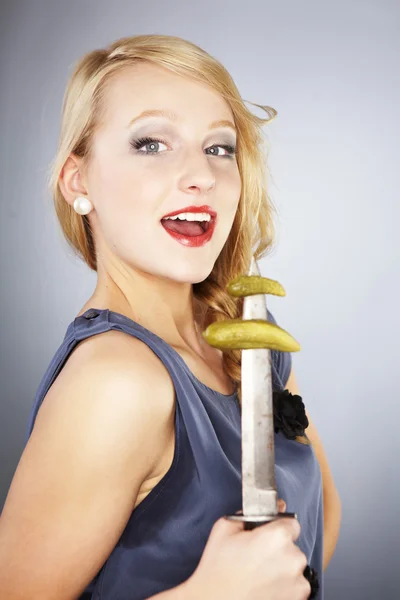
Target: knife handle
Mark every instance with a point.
(252, 522)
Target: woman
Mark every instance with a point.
(133, 455)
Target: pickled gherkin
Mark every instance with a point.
(249, 334)
(249, 285)
(246, 334)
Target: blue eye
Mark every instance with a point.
(152, 143)
(231, 150)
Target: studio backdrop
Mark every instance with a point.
(331, 71)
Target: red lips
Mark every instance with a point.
(193, 240)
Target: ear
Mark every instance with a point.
(72, 181)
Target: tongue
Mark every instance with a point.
(189, 228)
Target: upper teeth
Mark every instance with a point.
(191, 217)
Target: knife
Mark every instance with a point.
(259, 492)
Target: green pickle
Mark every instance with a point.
(249, 334)
(249, 285)
(245, 334)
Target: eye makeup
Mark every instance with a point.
(138, 143)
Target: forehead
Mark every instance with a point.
(145, 86)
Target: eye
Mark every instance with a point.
(229, 150)
(153, 145)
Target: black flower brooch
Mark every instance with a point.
(289, 415)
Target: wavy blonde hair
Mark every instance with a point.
(253, 230)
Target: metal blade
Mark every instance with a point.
(258, 456)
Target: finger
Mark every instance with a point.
(281, 505)
(225, 527)
(291, 526)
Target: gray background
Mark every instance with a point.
(331, 70)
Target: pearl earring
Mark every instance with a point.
(82, 205)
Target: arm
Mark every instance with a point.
(99, 434)
(331, 499)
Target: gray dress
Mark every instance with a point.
(164, 538)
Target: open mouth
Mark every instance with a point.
(187, 228)
(190, 233)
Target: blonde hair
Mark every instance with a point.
(253, 230)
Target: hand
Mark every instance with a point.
(261, 563)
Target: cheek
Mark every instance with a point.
(124, 189)
(228, 201)
(232, 189)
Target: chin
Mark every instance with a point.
(192, 273)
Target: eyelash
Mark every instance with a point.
(137, 144)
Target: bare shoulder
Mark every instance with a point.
(99, 434)
(116, 379)
(119, 353)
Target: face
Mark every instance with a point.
(146, 167)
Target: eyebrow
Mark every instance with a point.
(172, 117)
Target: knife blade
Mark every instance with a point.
(259, 492)
(258, 456)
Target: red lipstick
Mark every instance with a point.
(194, 240)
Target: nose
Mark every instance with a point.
(197, 175)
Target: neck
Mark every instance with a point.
(167, 308)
